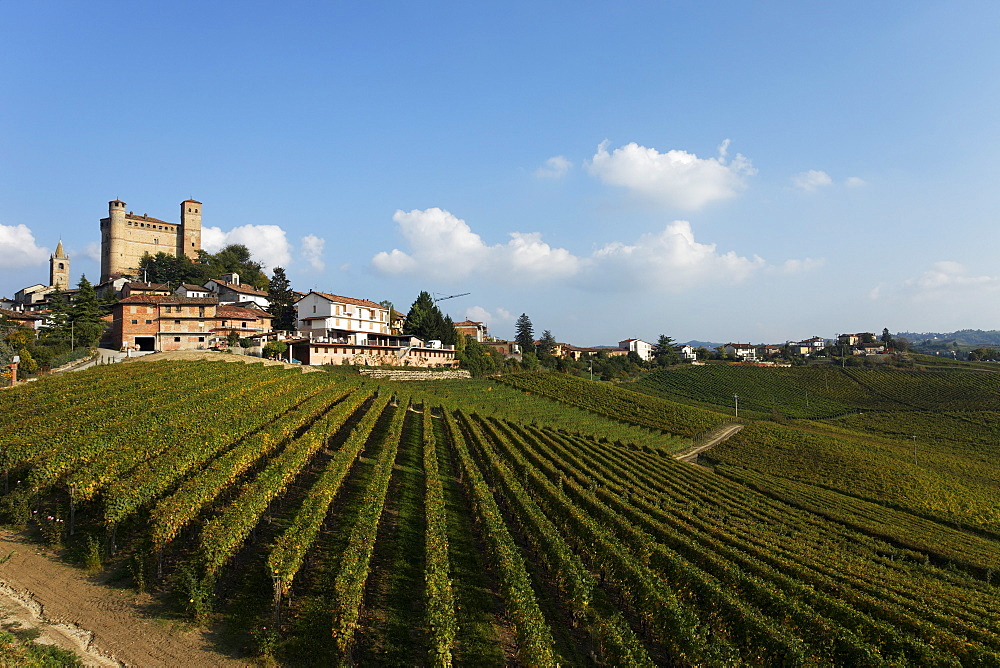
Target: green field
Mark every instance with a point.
(533, 519)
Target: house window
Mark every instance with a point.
(177, 339)
(177, 322)
(225, 323)
(314, 308)
(149, 322)
(243, 325)
(135, 322)
(201, 339)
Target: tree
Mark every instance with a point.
(57, 327)
(87, 315)
(235, 258)
(524, 334)
(282, 302)
(665, 354)
(172, 270)
(426, 322)
(887, 338)
(547, 343)
(478, 359)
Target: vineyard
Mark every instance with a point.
(541, 520)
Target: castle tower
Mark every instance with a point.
(113, 240)
(190, 237)
(59, 268)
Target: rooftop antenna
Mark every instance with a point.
(441, 299)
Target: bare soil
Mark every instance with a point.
(104, 626)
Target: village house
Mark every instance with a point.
(229, 290)
(742, 351)
(641, 348)
(362, 348)
(506, 348)
(686, 352)
(139, 288)
(323, 315)
(191, 290)
(476, 330)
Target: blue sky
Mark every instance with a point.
(716, 171)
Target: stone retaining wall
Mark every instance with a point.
(405, 374)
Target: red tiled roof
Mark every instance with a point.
(195, 288)
(139, 285)
(347, 300)
(468, 323)
(242, 289)
(240, 313)
(147, 219)
(168, 299)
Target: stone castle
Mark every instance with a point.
(126, 237)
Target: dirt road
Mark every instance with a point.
(691, 454)
(105, 626)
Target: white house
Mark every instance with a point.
(686, 352)
(229, 291)
(743, 351)
(192, 290)
(331, 316)
(642, 348)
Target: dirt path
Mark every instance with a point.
(691, 454)
(103, 625)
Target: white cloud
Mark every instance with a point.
(554, 168)
(946, 282)
(855, 182)
(675, 178)
(18, 248)
(92, 251)
(311, 249)
(811, 180)
(671, 261)
(947, 275)
(500, 316)
(441, 246)
(267, 243)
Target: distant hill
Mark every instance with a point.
(963, 337)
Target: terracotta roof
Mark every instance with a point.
(139, 285)
(193, 287)
(168, 299)
(468, 323)
(15, 315)
(147, 219)
(240, 313)
(346, 300)
(242, 289)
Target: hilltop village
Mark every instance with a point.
(225, 312)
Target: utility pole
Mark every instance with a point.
(736, 398)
